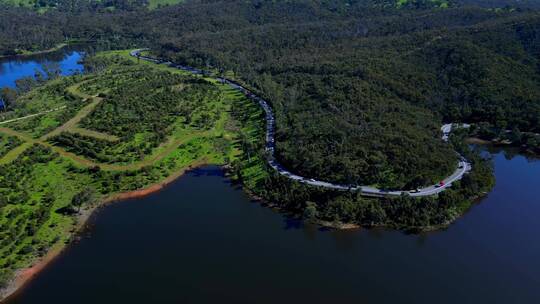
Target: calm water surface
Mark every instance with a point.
(201, 240)
(12, 69)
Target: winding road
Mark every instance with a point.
(463, 166)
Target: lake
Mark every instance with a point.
(202, 240)
(12, 69)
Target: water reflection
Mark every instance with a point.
(68, 58)
(292, 223)
(14, 68)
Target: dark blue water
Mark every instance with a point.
(12, 69)
(201, 240)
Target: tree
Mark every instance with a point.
(9, 96)
(85, 197)
(52, 69)
(48, 198)
(25, 84)
(310, 212)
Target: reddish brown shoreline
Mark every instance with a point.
(24, 275)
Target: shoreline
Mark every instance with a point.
(23, 276)
(36, 53)
(524, 150)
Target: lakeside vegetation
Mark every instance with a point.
(336, 208)
(359, 89)
(527, 142)
(46, 186)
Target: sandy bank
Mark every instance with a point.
(25, 275)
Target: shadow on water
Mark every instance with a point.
(292, 223)
(207, 171)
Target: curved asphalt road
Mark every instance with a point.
(463, 166)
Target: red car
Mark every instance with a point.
(440, 184)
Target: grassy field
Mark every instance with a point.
(189, 120)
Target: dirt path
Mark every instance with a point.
(169, 147)
(70, 124)
(32, 115)
(14, 153)
(73, 124)
(18, 134)
(164, 149)
(161, 152)
(94, 134)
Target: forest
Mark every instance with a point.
(359, 88)
(340, 73)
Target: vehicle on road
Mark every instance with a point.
(463, 165)
(440, 184)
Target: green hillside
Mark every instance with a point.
(359, 89)
(58, 167)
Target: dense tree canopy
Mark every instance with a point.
(360, 88)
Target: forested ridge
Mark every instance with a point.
(360, 97)
(359, 88)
